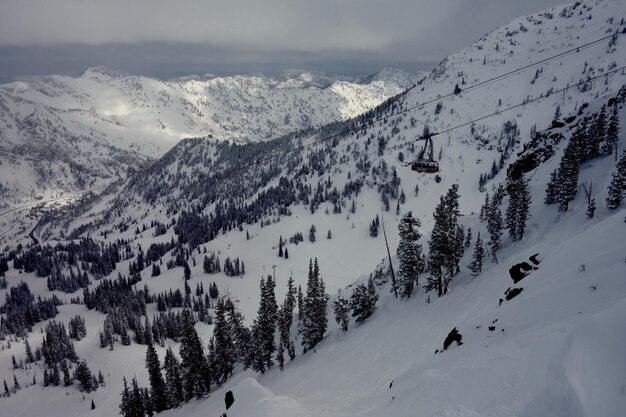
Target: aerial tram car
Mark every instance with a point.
(425, 162)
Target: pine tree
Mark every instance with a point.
(443, 256)
(224, 351)
(193, 365)
(341, 307)
(612, 133)
(240, 334)
(285, 315)
(552, 189)
(280, 356)
(494, 227)
(615, 193)
(135, 403)
(363, 300)
(173, 380)
(93, 405)
(83, 376)
(479, 254)
(314, 319)
(409, 255)
(569, 169)
(125, 403)
(29, 353)
(591, 208)
(518, 210)
(67, 380)
(158, 390)
(618, 184)
(7, 393)
(16, 383)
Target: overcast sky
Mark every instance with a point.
(169, 38)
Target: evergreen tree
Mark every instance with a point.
(264, 327)
(29, 353)
(591, 208)
(193, 364)
(135, 404)
(615, 194)
(552, 189)
(479, 254)
(443, 256)
(158, 390)
(7, 393)
(16, 383)
(612, 133)
(341, 307)
(409, 255)
(618, 184)
(518, 209)
(494, 227)
(285, 315)
(569, 169)
(173, 380)
(125, 403)
(280, 356)
(314, 319)
(93, 405)
(363, 300)
(83, 376)
(240, 334)
(67, 380)
(224, 350)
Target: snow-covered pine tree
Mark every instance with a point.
(617, 187)
(224, 350)
(193, 363)
(285, 315)
(443, 245)
(519, 207)
(240, 334)
(264, 327)
(363, 300)
(569, 169)
(341, 307)
(494, 227)
(484, 208)
(158, 390)
(552, 188)
(83, 376)
(479, 254)
(125, 402)
(135, 403)
(173, 379)
(280, 356)
(612, 133)
(409, 255)
(314, 319)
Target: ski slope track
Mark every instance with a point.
(555, 349)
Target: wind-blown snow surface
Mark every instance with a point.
(557, 348)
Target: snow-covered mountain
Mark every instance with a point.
(548, 344)
(106, 122)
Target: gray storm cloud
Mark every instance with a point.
(290, 32)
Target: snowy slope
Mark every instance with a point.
(105, 116)
(554, 350)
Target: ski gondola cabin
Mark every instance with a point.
(424, 163)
